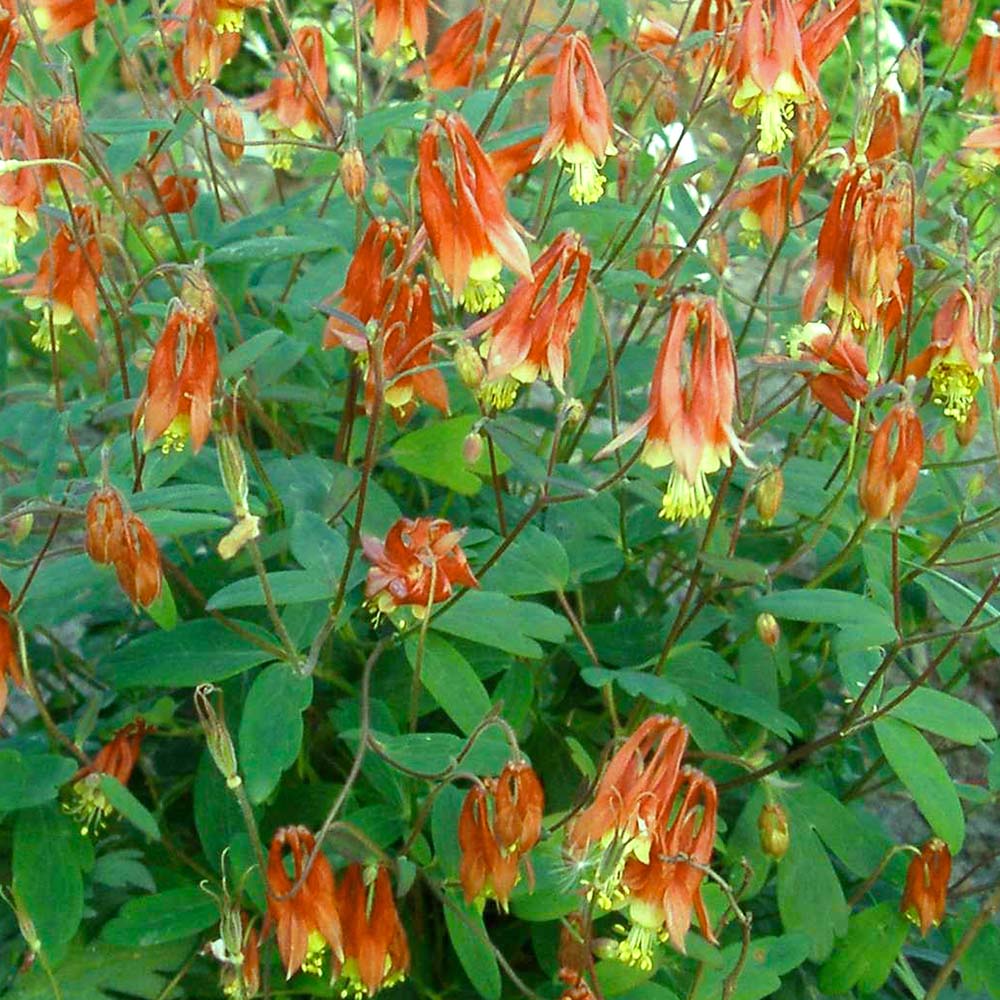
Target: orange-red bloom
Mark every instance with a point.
(10, 661)
(663, 890)
(59, 18)
(402, 23)
(983, 79)
(10, 35)
(376, 951)
(580, 126)
(212, 36)
(471, 232)
(514, 159)
(767, 206)
(177, 401)
(309, 921)
(890, 474)
(955, 16)
(65, 285)
(293, 107)
(486, 870)
(105, 524)
(138, 565)
(20, 190)
(519, 804)
(956, 358)
(418, 564)
(980, 153)
(925, 895)
(688, 422)
(841, 367)
(528, 336)
(455, 61)
(116, 758)
(774, 62)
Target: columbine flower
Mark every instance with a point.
(116, 758)
(980, 153)
(514, 159)
(65, 285)
(688, 422)
(841, 367)
(926, 891)
(663, 890)
(580, 126)
(455, 61)
(59, 18)
(519, 804)
(105, 523)
(177, 401)
(767, 206)
(402, 23)
(890, 474)
(417, 565)
(308, 922)
(138, 565)
(10, 35)
(528, 336)
(486, 871)
(211, 39)
(653, 258)
(238, 952)
(773, 63)
(471, 232)
(20, 190)
(955, 17)
(376, 952)
(953, 360)
(983, 79)
(10, 661)
(293, 106)
(621, 821)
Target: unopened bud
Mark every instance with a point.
(217, 738)
(472, 448)
(353, 175)
(768, 629)
(911, 68)
(380, 192)
(768, 494)
(977, 483)
(603, 947)
(718, 252)
(719, 142)
(665, 108)
(229, 131)
(20, 527)
(65, 129)
(469, 366)
(705, 181)
(631, 96)
(772, 825)
(574, 411)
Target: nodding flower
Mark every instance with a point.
(580, 126)
(689, 421)
(925, 894)
(841, 367)
(638, 783)
(10, 35)
(663, 889)
(774, 62)
(767, 206)
(983, 79)
(59, 18)
(890, 474)
(10, 659)
(455, 61)
(212, 36)
(528, 337)
(293, 106)
(401, 23)
(116, 758)
(980, 153)
(308, 922)
(653, 258)
(20, 190)
(376, 951)
(486, 870)
(519, 804)
(469, 227)
(514, 159)
(418, 564)
(955, 360)
(65, 285)
(955, 17)
(177, 401)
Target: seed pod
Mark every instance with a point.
(469, 366)
(772, 825)
(768, 629)
(380, 192)
(229, 129)
(220, 746)
(911, 68)
(472, 448)
(768, 494)
(353, 174)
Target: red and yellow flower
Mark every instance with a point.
(841, 367)
(401, 23)
(580, 126)
(10, 35)
(983, 79)
(767, 206)
(10, 660)
(20, 190)
(890, 474)
(925, 894)
(456, 61)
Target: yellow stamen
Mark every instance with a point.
(685, 501)
(90, 806)
(955, 386)
(315, 950)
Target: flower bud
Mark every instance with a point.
(925, 894)
(955, 17)
(768, 494)
(574, 411)
(218, 740)
(380, 192)
(772, 825)
(718, 252)
(20, 527)
(665, 107)
(472, 448)
(911, 68)
(469, 365)
(353, 175)
(65, 129)
(768, 629)
(229, 131)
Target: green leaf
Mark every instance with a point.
(193, 653)
(740, 570)
(241, 358)
(547, 897)
(658, 690)
(501, 622)
(431, 753)
(32, 780)
(271, 727)
(288, 586)
(99, 971)
(943, 714)
(832, 607)
(163, 611)
(768, 960)
(866, 956)
(129, 806)
(267, 249)
(450, 681)
(920, 770)
(47, 878)
(980, 965)
(317, 547)
(165, 916)
(471, 943)
(535, 564)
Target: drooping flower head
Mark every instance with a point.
(840, 375)
(456, 61)
(983, 79)
(519, 804)
(138, 568)
(308, 922)
(980, 154)
(10, 660)
(177, 401)
(10, 35)
(116, 758)
(580, 126)
(376, 951)
(418, 564)
(65, 285)
(59, 18)
(20, 190)
(528, 336)
(401, 23)
(293, 106)
(925, 895)
(654, 258)
(485, 871)
(890, 474)
(105, 519)
(955, 17)
(688, 423)
(212, 36)
(469, 227)
(767, 206)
